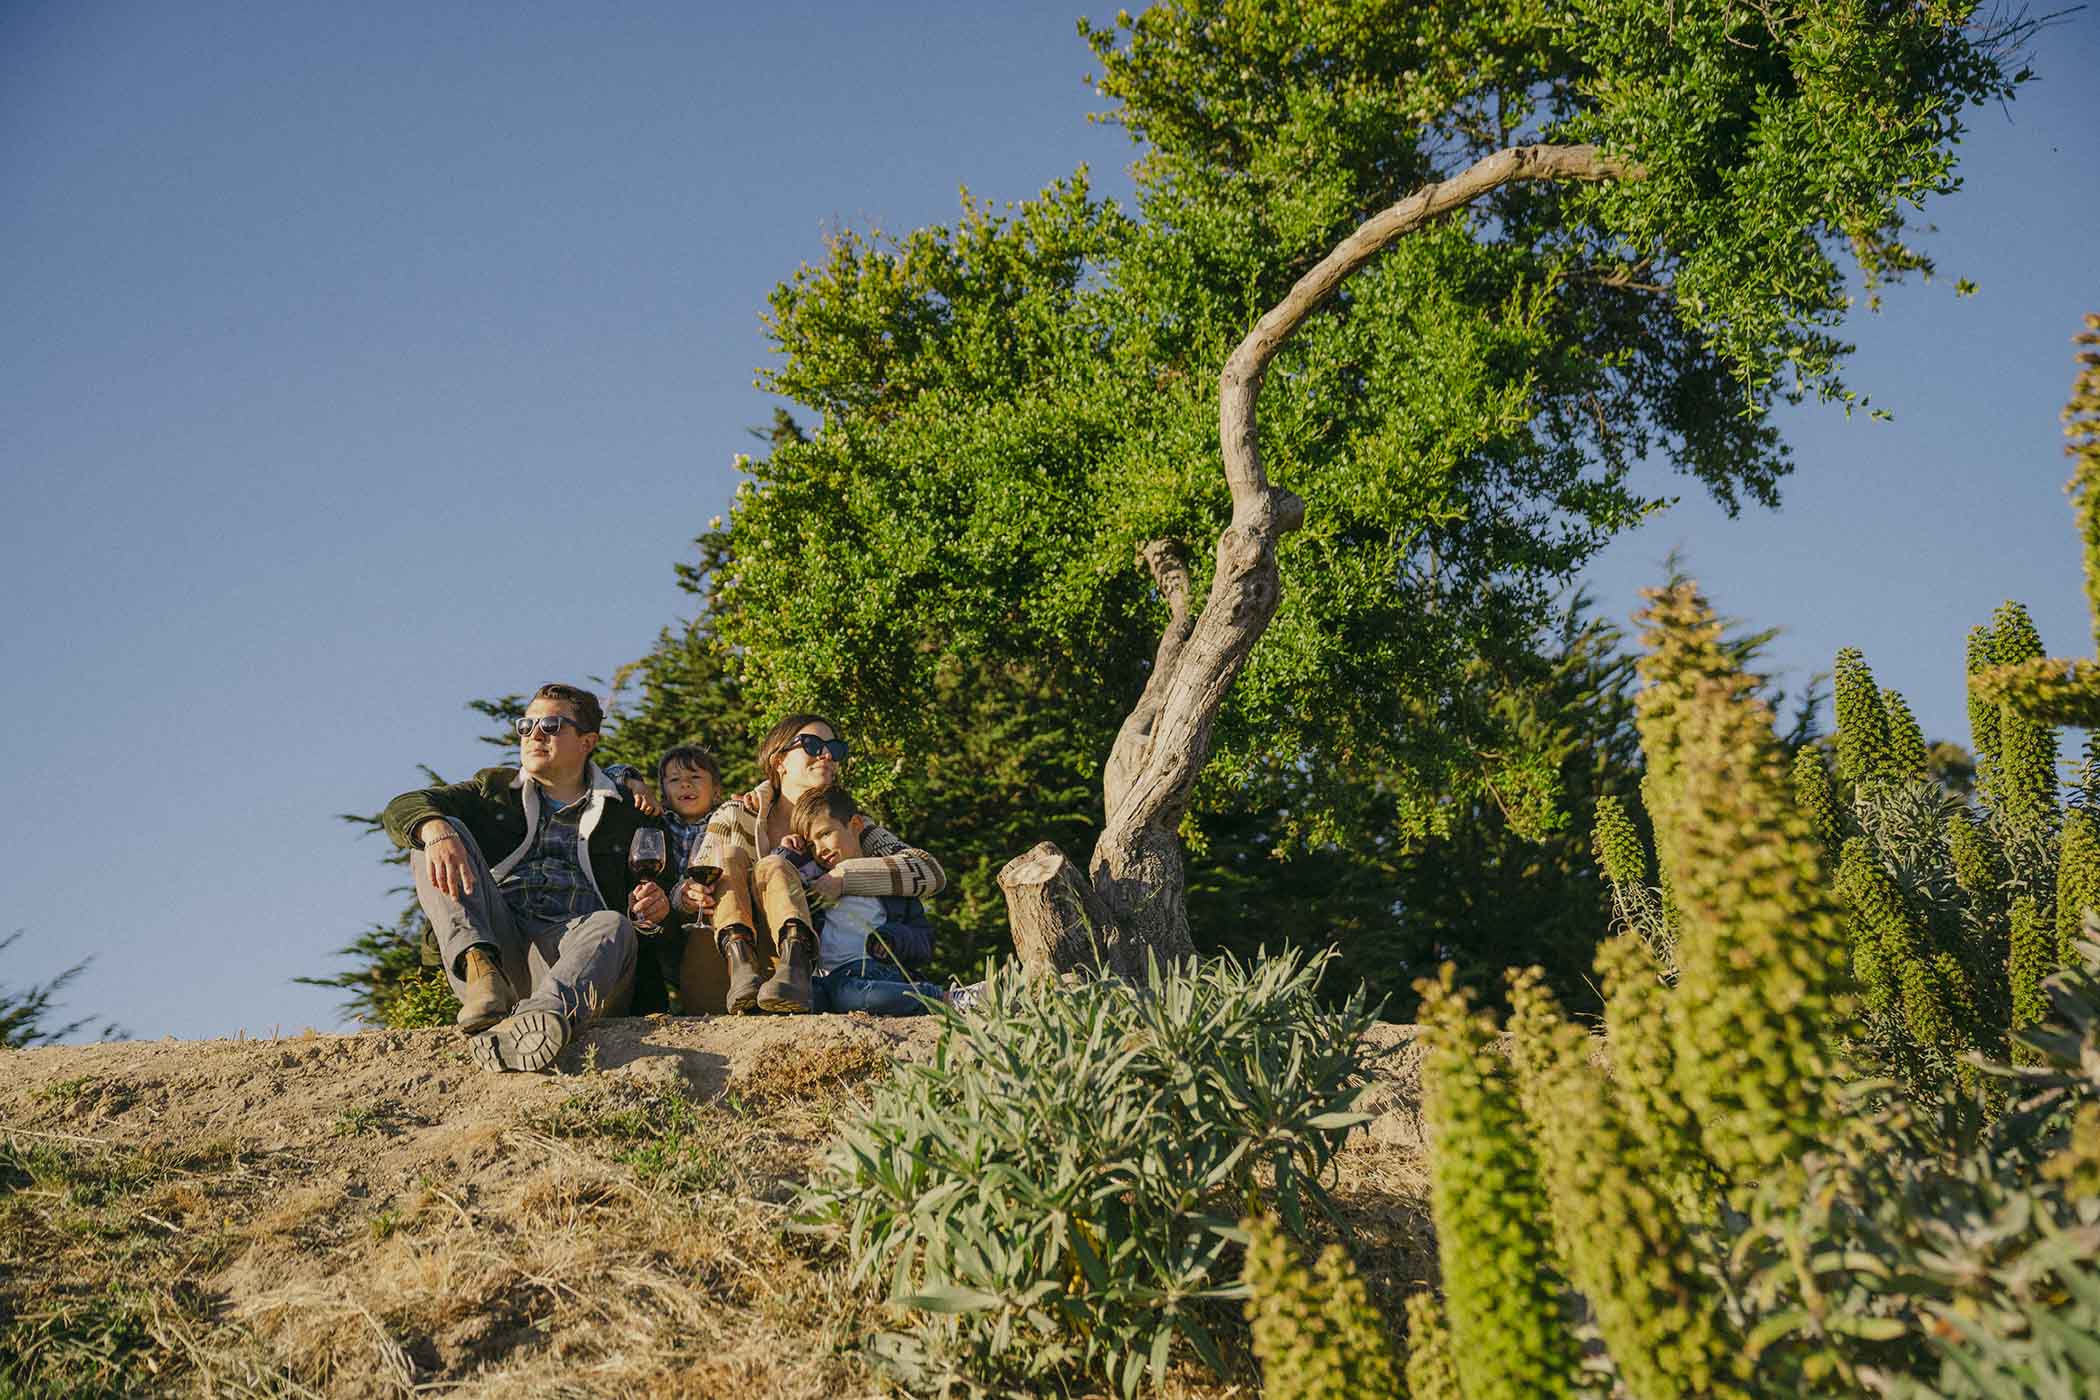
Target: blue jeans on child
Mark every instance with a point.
(878, 988)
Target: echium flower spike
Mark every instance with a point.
(1983, 715)
(1862, 726)
(1665, 1136)
(1974, 868)
(1627, 1249)
(2077, 882)
(1502, 1284)
(1889, 957)
(1906, 755)
(1317, 1336)
(1762, 956)
(2023, 787)
(2032, 957)
(1686, 637)
(1816, 796)
(2082, 428)
(1432, 1374)
(1618, 844)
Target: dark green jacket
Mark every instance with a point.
(501, 810)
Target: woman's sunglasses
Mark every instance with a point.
(817, 748)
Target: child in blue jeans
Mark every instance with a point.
(867, 945)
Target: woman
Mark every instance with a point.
(765, 944)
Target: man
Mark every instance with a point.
(545, 917)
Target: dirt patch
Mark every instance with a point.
(370, 1214)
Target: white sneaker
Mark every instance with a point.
(961, 999)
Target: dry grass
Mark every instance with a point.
(368, 1216)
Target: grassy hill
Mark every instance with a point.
(369, 1215)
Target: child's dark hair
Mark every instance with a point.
(691, 756)
(833, 802)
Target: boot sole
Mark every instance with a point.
(780, 1007)
(528, 1042)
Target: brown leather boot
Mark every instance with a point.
(736, 945)
(788, 992)
(488, 997)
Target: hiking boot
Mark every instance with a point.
(788, 992)
(735, 943)
(487, 997)
(527, 1041)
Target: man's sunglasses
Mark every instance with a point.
(817, 748)
(549, 726)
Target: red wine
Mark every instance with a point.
(651, 868)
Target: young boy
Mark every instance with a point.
(866, 944)
(690, 780)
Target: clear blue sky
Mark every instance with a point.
(362, 360)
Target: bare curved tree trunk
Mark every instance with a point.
(1166, 739)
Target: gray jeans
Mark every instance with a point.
(581, 967)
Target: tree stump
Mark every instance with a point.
(1059, 923)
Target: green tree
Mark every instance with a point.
(1484, 259)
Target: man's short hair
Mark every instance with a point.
(692, 756)
(589, 716)
(833, 802)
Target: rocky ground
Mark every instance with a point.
(369, 1214)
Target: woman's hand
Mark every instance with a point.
(696, 898)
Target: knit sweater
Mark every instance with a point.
(886, 866)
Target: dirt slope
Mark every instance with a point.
(370, 1215)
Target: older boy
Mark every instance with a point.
(546, 917)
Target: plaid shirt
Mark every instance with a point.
(885, 865)
(549, 881)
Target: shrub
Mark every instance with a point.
(1060, 1184)
(422, 998)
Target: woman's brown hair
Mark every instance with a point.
(776, 741)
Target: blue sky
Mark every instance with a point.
(362, 360)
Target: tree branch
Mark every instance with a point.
(1246, 588)
(1168, 563)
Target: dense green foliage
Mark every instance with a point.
(1012, 404)
(1059, 1186)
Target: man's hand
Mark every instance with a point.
(446, 857)
(644, 799)
(792, 842)
(829, 885)
(647, 904)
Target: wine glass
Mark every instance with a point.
(646, 857)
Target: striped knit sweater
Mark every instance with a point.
(886, 866)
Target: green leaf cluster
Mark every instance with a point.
(1058, 1187)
